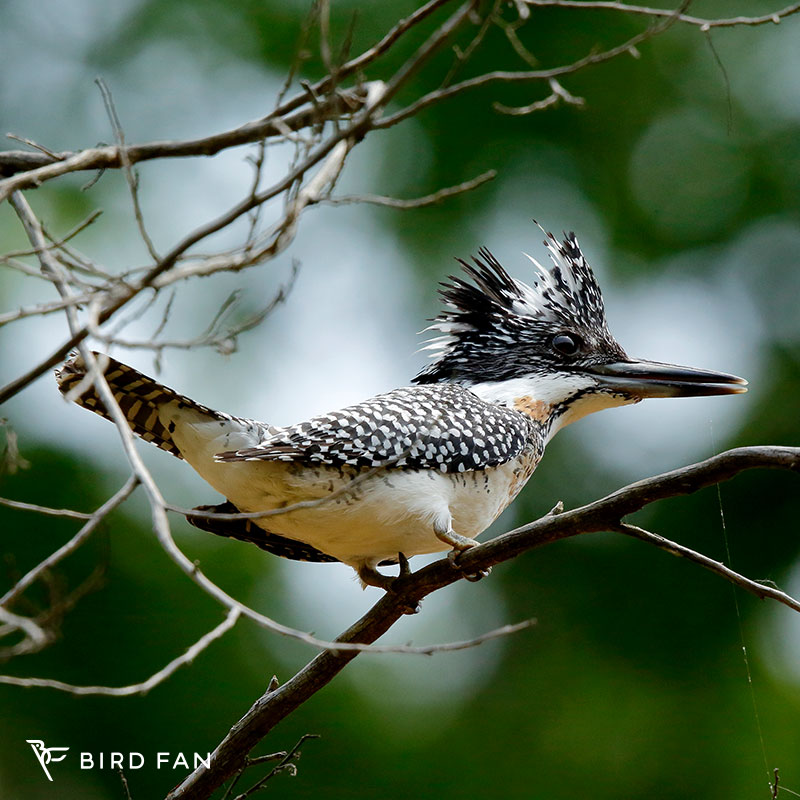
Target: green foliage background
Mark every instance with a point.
(633, 683)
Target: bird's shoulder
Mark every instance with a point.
(445, 427)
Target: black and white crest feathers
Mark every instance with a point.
(497, 324)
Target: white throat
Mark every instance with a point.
(550, 399)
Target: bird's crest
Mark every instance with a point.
(496, 313)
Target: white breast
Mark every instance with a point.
(390, 512)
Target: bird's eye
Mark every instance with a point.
(567, 344)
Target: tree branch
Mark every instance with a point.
(602, 515)
(760, 590)
(136, 688)
(73, 544)
(704, 24)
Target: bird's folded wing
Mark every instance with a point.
(440, 427)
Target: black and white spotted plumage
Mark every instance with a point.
(444, 427)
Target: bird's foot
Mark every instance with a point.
(371, 577)
(453, 557)
(479, 575)
(460, 544)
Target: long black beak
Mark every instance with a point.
(654, 379)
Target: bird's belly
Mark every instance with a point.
(390, 512)
(379, 516)
(375, 519)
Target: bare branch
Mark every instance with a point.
(704, 24)
(74, 543)
(53, 512)
(110, 157)
(136, 688)
(604, 514)
(377, 96)
(130, 177)
(504, 76)
(42, 309)
(36, 637)
(285, 765)
(41, 148)
(124, 782)
(417, 202)
(557, 94)
(760, 590)
(218, 334)
(271, 126)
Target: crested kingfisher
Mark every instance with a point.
(423, 468)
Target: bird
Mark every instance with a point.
(427, 467)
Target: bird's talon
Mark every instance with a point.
(479, 575)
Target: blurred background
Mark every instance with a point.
(681, 178)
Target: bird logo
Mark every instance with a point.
(47, 755)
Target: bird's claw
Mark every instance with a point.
(453, 557)
(479, 575)
(372, 577)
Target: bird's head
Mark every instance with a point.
(546, 349)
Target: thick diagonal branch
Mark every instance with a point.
(604, 514)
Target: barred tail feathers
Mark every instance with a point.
(140, 398)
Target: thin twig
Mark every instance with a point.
(729, 22)
(73, 544)
(217, 334)
(136, 688)
(505, 76)
(127, 167)
(417, 202)
(53, 512)
(124, 782)
(42, 309)
(557, 94)
(760, 590)
(40, 147)
(284, 764)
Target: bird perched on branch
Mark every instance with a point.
(423, 468)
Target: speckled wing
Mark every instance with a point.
(440, 427)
